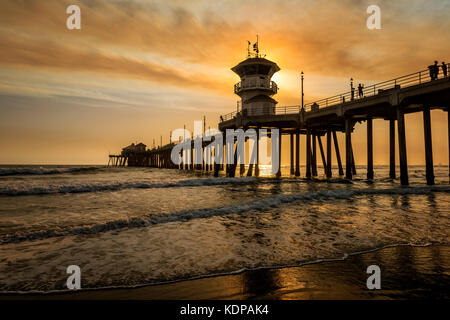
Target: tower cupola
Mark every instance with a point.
(256, 87)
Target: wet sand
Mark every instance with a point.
(406, 273)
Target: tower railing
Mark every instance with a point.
(256, 84)
(409, 80)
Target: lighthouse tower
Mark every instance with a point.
(256, 87)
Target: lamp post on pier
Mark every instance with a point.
(303, 95)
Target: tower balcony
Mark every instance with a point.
(256, 84)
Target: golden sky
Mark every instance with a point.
(139, 69)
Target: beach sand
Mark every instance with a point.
(406, 273)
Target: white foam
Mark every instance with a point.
(240, 208)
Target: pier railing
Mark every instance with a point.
(372, 90)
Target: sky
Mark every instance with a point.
(137, 69)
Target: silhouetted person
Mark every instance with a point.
(343, 99)
(431, 70)
(221, 119)
(360, 90)
(353, 93)
(436, 70)
(444, 68)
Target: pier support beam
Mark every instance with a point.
(241, 169)
(338, 154)
(292, 153)
(257, 153)
(314, 156)
(392, 148)
(322, 154)
(224, 150)
(348, 148)
(208, 158)
(308, 153)
(328, 171)
(353, 163)
(232, 166)
(402, 147)
(297, 153)
(279, 153)
(369, 149)
(216, 169)
(226, 158)
(428, 145)
(242, 159)
(250, 168)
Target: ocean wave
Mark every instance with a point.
(115, 186)
(241, 208)
(43, 171)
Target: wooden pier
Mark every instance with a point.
(389, 100)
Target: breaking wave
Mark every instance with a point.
(241, 208)
(114, 186)
(43, 171)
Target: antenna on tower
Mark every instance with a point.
(255, 50)
(256, 46)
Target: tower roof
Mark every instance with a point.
(261, 98)
(256, 66)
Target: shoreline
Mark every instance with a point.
(407, 272)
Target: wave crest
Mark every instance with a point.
(114, 186)
(241, 208)
(43, 171)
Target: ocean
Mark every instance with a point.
(127, 227)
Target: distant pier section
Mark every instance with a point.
(137, 155)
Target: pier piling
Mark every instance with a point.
(292, 153)
(369, 149)
(314, 156)
(428, 145)
(297, 152)
(308, 153)
(338, 154)
(279, 152)
(328, 171)
(348, 148)
(392, 149)
(402, 147)
(257, 153)
(322, 154)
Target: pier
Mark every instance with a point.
(389, 100)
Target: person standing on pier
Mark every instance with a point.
(444, 69)
(434, 71)
(360, 91)
(431, 70)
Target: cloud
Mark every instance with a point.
(323, 37)
(53, 55)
